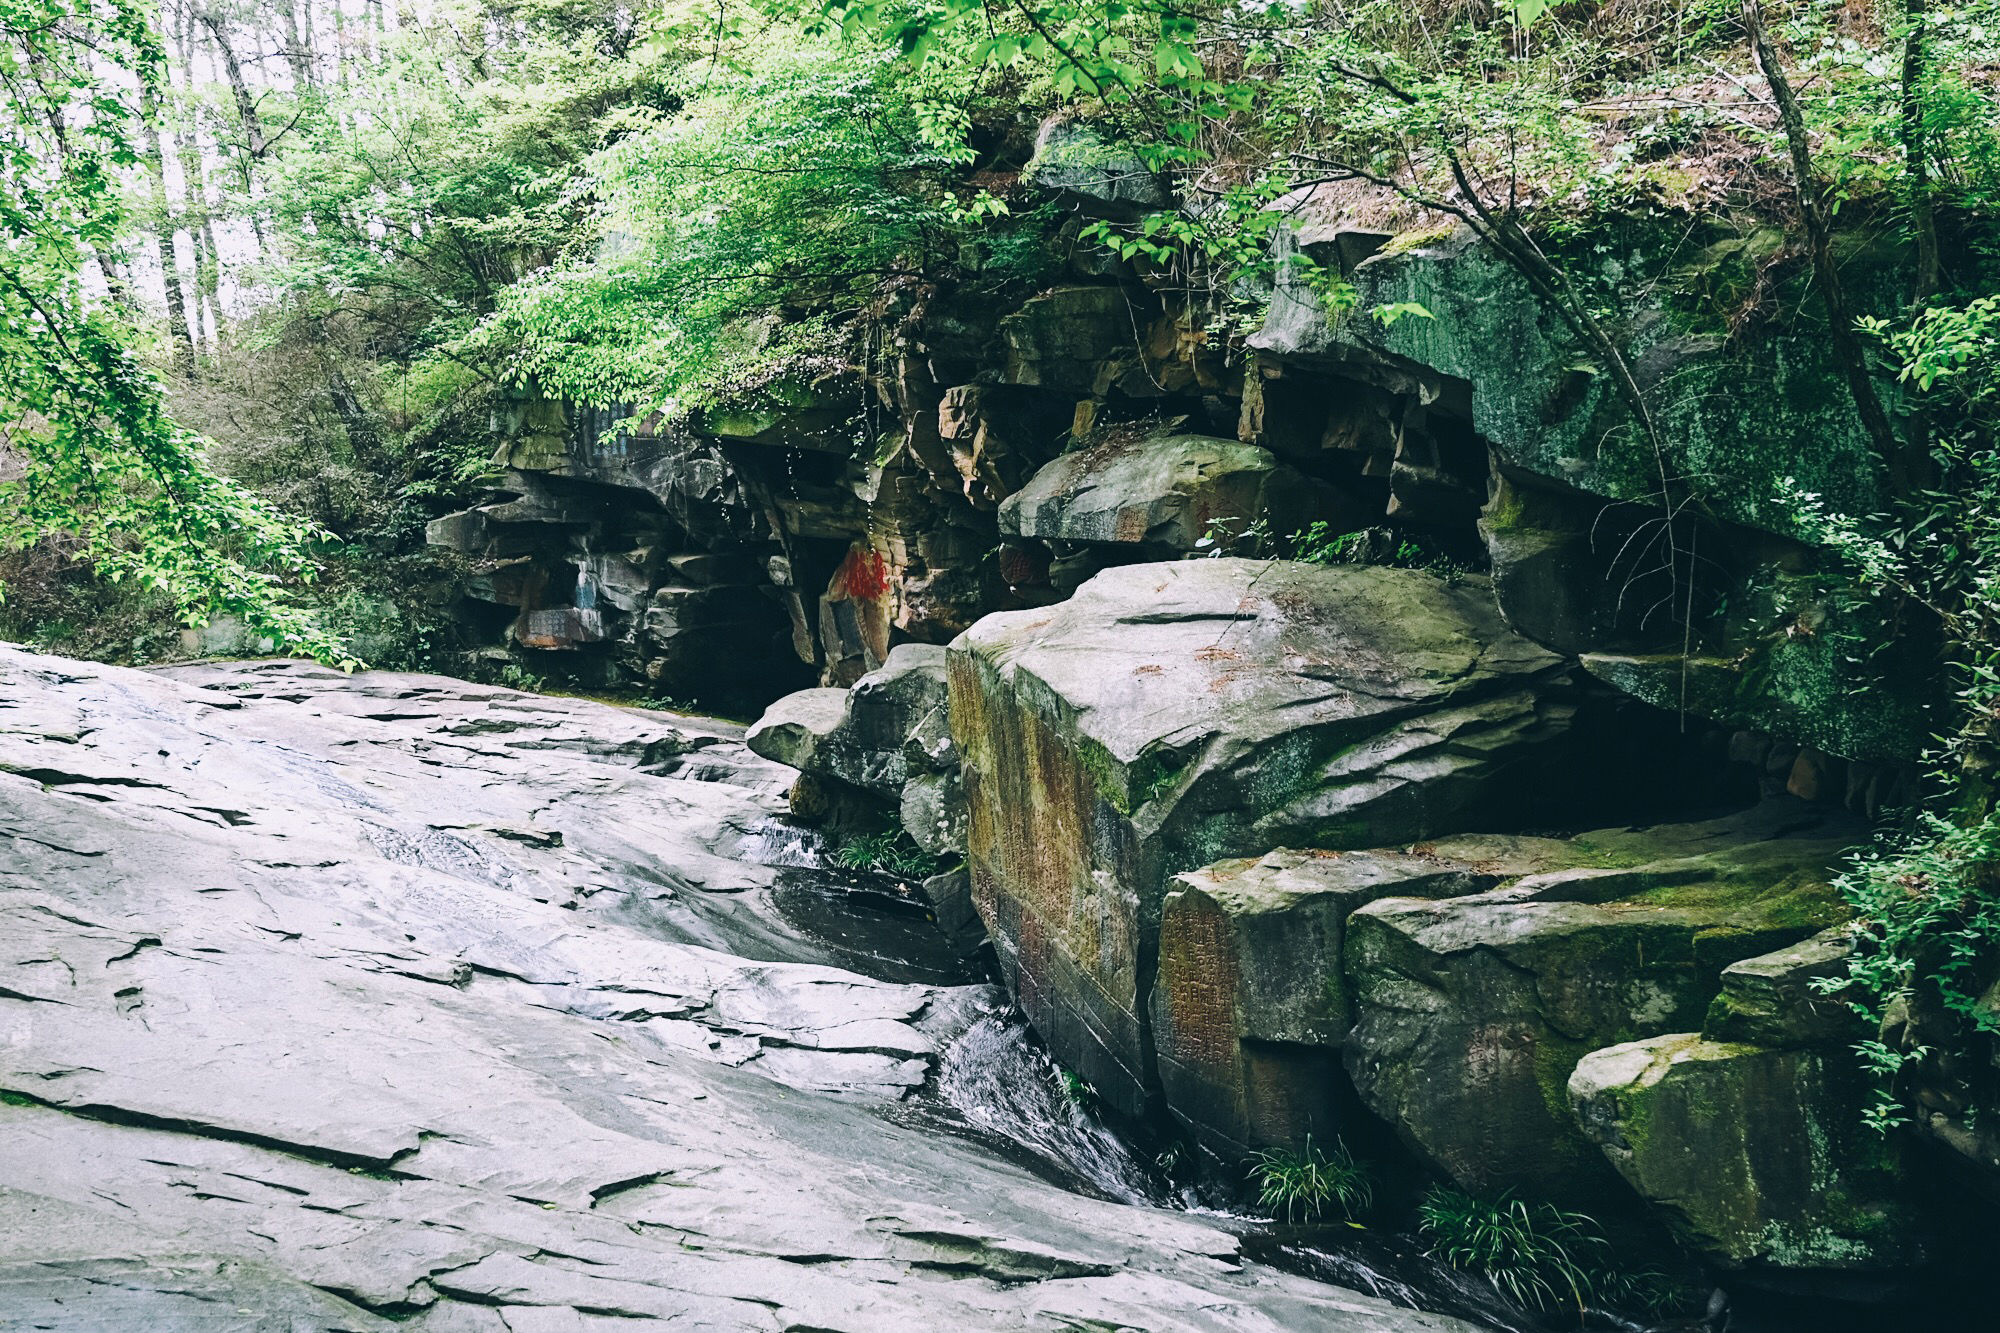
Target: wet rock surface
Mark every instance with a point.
(356, 1003)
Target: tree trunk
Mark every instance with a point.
(194, 183)
(298, 45)
(179, 334)
(246, 105)
(1905, 472)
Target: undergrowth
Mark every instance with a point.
(1309, 1184)
(890, 852)
(1535, 1254)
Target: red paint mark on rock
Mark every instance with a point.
(864, 575)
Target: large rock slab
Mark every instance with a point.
(1169, 715)
(351, 1003)
(1252, 1003)
(1163, 492)
(1472, 1012)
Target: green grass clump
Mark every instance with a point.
(1305, 1186)
(1535, 1254)
(888, 851)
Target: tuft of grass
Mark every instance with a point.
(1535, 1254)
(889, 851)
(1305, 1186)
(1076, 1090)
(517, 677)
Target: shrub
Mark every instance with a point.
(1303, 1186)
(1537, 1255)
(888, 851)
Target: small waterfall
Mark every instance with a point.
(776, 843)
(1000, 1082)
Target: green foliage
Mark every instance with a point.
(1307, 1185)
(1074, 1088)
(1537, 1255)
(1928, 904)
(890, 852)
(798, 173)
(1318, 544)
(517, 677)
(1927, 897)
(97, 459)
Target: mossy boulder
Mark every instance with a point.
(1742, 405)
(1085, 166)
(1472, 1012)
(1081, 340)
(1801, 686)
(1748, 411)
(1756, 1155)
(1170, 715)
(1251, 1005)
(820, 413)
(1778, 998)
(1162, 492)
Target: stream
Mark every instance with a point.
(386, 1002)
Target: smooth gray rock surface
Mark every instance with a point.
(351, 1003)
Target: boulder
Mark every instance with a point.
(1776, 999)
(1163, 492)
(1170, 715)
(1472, 1012)
(1079, 162)
(1251, 1005)
(791, 730)
(1757, 1155)
(1749, 1135)
(883, 746)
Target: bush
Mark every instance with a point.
(1536, 1255)
(889, 852)
(1303, 1186)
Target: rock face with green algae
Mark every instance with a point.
(1172, 714)
(1473, 1011)
(1746, 411)
(1757, 1155)
(1251, 1005)
(1163, 492)
(1741, 412)
(1775, 1000)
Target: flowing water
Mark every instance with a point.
(997, 1084)
(1003, 1086)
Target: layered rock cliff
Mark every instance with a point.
(1483, 802)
